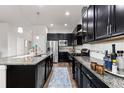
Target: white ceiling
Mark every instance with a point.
(55, 14)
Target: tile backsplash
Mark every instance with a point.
(98, 49)
(66, 49)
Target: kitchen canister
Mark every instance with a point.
(93, 65)
(100, 69)
(120, 62)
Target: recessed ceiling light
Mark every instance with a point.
(37, 37)
(67, 13)
(65, 24)
(20, 30)
(51, 25)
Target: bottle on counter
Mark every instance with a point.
(113, 54)
(107, 61)
(105, 58)
(114, 59)
(109, 64)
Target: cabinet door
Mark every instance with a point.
(52, 37)
(70, 39)
(46, 69)
(102, 21)
(90, 24)
(119, 16)
(79, 78)
(76, 73)
(60, 37)
(63, 57)
(79, 40)
(85, 82)
(112, 20)
(84, 27)
(90, 80)
(40, 75)
(73, 68)
(65, 36)
(51, 62)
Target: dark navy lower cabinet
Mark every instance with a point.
(89, 80)
(63, 57)
(85, 78)
(73, 68)
(85, 82)
(21, 76)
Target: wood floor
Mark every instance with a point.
(62, 64)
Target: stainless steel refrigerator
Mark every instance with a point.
(54, 49)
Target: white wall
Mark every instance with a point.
(20, 46)
(8, 41)
(40, 31)
(9, 37)
(27, 37)
(3, 39)
(12, 41)
(21, 38)
(16, 40)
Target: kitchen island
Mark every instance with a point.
(27, 72)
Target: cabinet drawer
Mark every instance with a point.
(97, 82)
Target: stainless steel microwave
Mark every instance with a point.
(63, 42)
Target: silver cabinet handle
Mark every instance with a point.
(110, 28)
(89, 76)
(107, 30)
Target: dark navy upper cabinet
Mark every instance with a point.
(119, 19)
(90, 23)
(109, 20)
(84, 27)
(61, 36)
(112, 20)
(102, 21)
(102, 13)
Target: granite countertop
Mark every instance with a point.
(110, 80)
(23, 60)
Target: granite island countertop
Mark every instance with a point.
(110, 80)
(23, 60)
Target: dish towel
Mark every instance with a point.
(60, 78)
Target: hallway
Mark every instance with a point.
(60, 77)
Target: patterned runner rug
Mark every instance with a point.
(60, 78)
